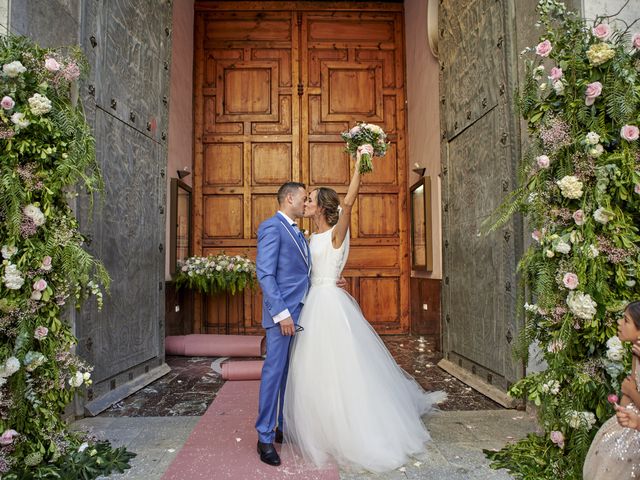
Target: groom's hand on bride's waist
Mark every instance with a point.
(287, 328)
(342, 283)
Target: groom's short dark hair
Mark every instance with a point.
(287, 188)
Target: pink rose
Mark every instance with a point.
(542, 161)
(544, 48)
(367, 148)
(557, 438)
(612, 398)
(7, 102)
(556, 74)
(40, 333)
(601, 31)
(7, 437)
(630, 133)
(71, 72)
(51, 64)
(46, 263)
(536, 235)
(40, 285)
(593, 91)
(578, 217)
(635, 41)
(570, 280)
(354, 131)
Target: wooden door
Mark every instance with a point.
(275, 85)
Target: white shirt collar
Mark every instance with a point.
(291, 222)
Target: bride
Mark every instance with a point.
(346, 397)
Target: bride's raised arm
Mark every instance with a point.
(340, 232)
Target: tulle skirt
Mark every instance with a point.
(346, 398)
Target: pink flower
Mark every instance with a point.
(570, 280)
(578, 217)
(637, 188)
(630, 133)
(602, 31)
(7, 102)
(612, 398)
(46, 263)
(7, 437)
(635, 41)
(354, 131)
(544, 48)
(593, 91)
(40, 285)
(51, 64)
(557, 438)
(556, 74)
(542, 161)
(40, 333)
(536, 235)
(71, 72)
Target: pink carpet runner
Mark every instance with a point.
(223, 444)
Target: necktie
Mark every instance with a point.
(303, 240)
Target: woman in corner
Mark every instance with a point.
(346, 398)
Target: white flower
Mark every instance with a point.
(558, 87)
(543, 86)
(12, 277)
(11, 366)
(552, 387)
(593, 251)
(570, 186)
(579, 419)
(630, 283)
(615, 350)
(531, 308)
(13, 69)
(36, 295)
(596, 151)
(543, 161)
(20, 120)
(549, 253)
(581, 305)
(575, 236)
(35, 214)
(83, 447)
(537, 72)
(86, 376)
(39, 104)
(51, 64)
(593, 138)
(8, 251)
(563, 247)
(602, 215)
(555, 346)
(77, 380)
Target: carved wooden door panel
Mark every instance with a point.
(478, 166)
(274, 87)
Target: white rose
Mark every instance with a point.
(593, 251)
(35, 214)
(581, 305)
(39, 104)
(558, 87)
(20, 120)
(570, 186)
(12, 277)
(8, 251)
(602, 215)
(549, 253)
(596, 151)
(76, 380)
(13, 69)
(563, 247)
(543, 87)
(593, 138)
(11, 366)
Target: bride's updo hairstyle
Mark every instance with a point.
(329, 201)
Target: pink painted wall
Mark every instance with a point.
(423, 118)
(180, 102)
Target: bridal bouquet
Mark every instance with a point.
(214, 274)
(366, 134)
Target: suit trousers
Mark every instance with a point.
(273, 381)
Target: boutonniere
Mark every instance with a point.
(306, 234)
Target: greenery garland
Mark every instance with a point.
(46, 151)
(216, 274)
(579, 190)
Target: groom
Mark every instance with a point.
(283, 265)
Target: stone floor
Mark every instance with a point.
(191, 385)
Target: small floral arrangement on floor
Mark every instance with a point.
(579, 190)
(47, 153)
(216, 274)
(366, 134)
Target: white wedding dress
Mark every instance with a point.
(346, 398)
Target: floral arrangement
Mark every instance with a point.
(366, 134)
(215, 274)
(47, 149)
(579, 190)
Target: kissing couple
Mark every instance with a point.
(329, 386)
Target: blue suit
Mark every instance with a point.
(283, 265)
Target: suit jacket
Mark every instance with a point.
(282, 268)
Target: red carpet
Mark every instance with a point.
(223, 444)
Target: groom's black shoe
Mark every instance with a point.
(268, 454)
(279, 436)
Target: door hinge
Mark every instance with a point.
(300, 89)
